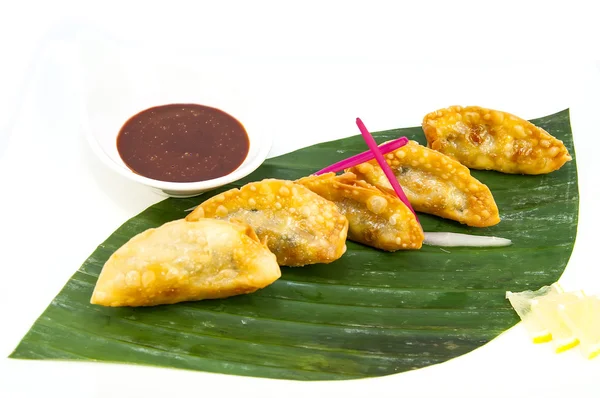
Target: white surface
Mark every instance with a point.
(63, 202)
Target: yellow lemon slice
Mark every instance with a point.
(583, 317)
(533, 322)
(546, 309)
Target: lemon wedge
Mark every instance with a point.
(583, 317)
(567, 319)
(533, 322)
(547, 308)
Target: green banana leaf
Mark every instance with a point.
(371, 313)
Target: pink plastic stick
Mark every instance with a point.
(363, 157)
(383, 164)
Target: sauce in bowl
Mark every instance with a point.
(183, 143)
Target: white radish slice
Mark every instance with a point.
(450, 239)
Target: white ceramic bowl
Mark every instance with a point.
(118, 80)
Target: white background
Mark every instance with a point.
(59, 202)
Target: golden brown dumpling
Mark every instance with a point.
(186, 261)
(487, 139)
(436, 184)
(298, 225)
(375, 218)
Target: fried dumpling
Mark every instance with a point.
(186, 261)
(376, 218)
(487, 139)
(298, 226)
(436, 184)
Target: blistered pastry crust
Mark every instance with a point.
(185, 261)
(488, 139)
(435, 184)
(298, 226)
(376, 218)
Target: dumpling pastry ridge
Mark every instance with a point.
(186, 261)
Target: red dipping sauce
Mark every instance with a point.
(183, 143)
